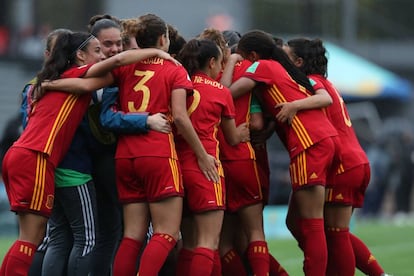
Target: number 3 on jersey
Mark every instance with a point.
(141, 87)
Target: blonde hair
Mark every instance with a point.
(129, 28)
(218, 37)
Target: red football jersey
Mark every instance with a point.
(209, 103)
(241, 151)
(147, 86)
(308, 126)
(54, 120)
(351, 151)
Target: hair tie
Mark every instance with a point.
(84, 43)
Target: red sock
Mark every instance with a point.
(126, 257)
(217, 264)
(275, 269)
(155, 254)
(19, 258)
(296, 233)
(202, 262)
(258, 256)
(184, 262)
(314, 247)
(341, 259)
(232, 264)
(365, 261)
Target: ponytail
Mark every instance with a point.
(265, 46)
(313, 54)
(196, 54)
(63, 57)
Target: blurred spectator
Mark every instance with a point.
(380, 163)
(4, 40)
(279, 161)
(392, 164)
(32, 41)
(10, 133)
(405, 184)
(12, 130)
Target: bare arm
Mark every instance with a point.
(159, 122)
(78, 85)
(227, 76)
(125, 58)
(288, 110)
(206, 162)
(99, 73)
(260, 137)
(241, 87)
(256, 121)
(233, 134)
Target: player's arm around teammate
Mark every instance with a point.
(210, 107)
(308, 142)
(351, 179)
(43, 154)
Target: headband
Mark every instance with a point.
(85, 42)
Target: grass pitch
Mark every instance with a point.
(392, 245)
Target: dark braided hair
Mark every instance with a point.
(263, 44)
(63, 57)
(313, 54)
(177, 41)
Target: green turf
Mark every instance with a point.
(5, 243)
(392, 245)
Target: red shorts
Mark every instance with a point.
(201, 194)
(243, 187)
(148, 179)
(311, 166)
(262, 162)
(350, 186)
(29, 179)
